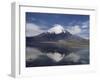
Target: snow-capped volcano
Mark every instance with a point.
(55, 33)
(57, 29)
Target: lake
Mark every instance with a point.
(56, 56)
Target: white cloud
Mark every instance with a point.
(32, 54)
(74, 29)
(85, 24)
(84, 36)
(81, 30)
(33, 29)
(72, 57)
(85, 30)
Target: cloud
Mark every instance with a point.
(81, 29)
(33, 29)
(73, 57)
(85, 30)
(74, 29)
(32, 54)
(33, 19)
(84, 26)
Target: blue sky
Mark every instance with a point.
(37, 23)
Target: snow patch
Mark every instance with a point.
(57, 29)
(56, 56)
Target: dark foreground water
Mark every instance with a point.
(54, 56)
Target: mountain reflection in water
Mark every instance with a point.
(54, 56)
